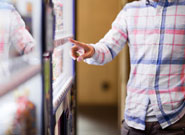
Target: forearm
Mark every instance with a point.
(101, 55)
(107, 48)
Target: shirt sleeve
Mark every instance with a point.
(19, 35)
(112, 43)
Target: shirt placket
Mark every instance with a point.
(156, 40)
(161, 15)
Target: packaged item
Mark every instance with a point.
(18, 118)
(58, 8)
(8, 111)
(57, 63)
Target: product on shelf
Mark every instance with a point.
(57, 63)
(58, 8)
(24, 120)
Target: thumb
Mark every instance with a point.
(84, 56)
(80, 58)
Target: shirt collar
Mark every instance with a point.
(162, 0)
(148, 2)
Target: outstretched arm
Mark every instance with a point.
(108, 47)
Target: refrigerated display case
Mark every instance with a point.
(21, 77)
(62, 77)
(63, 66)
(38, 89)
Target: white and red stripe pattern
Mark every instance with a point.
(13, 32)
(155, 32)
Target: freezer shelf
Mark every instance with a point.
(25, 98)
(61, 88)
(60, 40)
(16, 72)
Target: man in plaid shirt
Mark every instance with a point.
(155, 32)
(13, 32)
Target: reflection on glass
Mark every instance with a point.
(15, 37)
(20, 114)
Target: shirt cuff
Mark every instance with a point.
(94, 57)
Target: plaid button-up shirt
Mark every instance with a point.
(155, 32)
(13, 32)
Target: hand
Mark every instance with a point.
(81, 51)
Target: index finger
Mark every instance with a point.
(78, 43)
